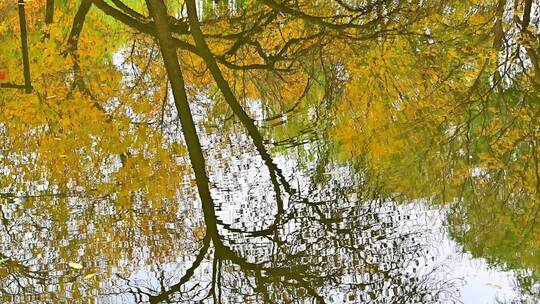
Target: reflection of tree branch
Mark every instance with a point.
(257, 233)
(185, 278)
(225, 89)
(17, 267)
(72, 45)
(134, 290)
(294, 274)
(313, 19)
(215, 273)
(78, 23)
(128, 10)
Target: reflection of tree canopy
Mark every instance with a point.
(503, 228)
(456, 120)
(126, 93)
(37, 246)
(462, 129)
(464, 100)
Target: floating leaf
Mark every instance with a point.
(494, 285)
(89, 276)
(330, 173)
(75, 265)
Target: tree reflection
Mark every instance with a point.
(95, 168)
(502, 227)
(37, 246)
(320, 249)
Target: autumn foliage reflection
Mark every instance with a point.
(426, 100)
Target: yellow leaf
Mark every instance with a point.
(477, 20)
(75, 265)
(199, 232)
(494, 285)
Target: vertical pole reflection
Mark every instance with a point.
(24, 47)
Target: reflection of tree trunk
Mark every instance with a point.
(205, 53)
(49, 16)
(526, 14)
(159, 12)
(73, 43)
(498, 38)
(248, 123)
(24, 47)
(49, 12)
(499, 34)
(78, 23)
(529, 36)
